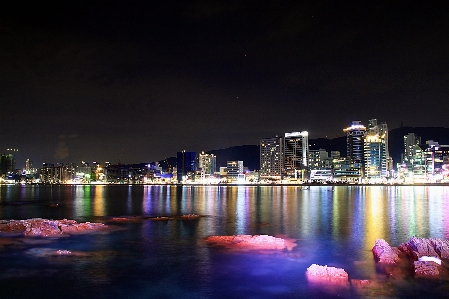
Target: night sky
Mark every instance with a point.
(137, 81)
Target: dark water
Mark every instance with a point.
(334, 226)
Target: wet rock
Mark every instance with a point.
(441, 247)
(47, 228)
(190, 216)
(252, 242)
(426, 268)
(418, 247)
(42, 227)
(384, 253)
(332, 275)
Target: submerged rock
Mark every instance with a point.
(384, 253)
(252, 242)
(48, 228)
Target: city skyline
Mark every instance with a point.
(133, 82)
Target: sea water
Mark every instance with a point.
(146, 258)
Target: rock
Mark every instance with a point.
(360, 282)
(47, 228)
(427, 268)
(441, 247)
(418, 247)
(190, 216)
(384, 253)
(42, 227)
(252, 242)
(317, 273)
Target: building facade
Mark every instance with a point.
(296, 154)
(376, 151)
(355, 136)
(271, 158)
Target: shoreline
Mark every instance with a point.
(229, 184)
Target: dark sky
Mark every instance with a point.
(137, 81)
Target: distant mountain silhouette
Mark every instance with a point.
(250, 154)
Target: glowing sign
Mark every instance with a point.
(297, 134)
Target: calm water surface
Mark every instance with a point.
(334, 226)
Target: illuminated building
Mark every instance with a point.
(234, 171)
(185, 166)
(296, 152)
(413, 164)
(355, 135)
(376, 151)
(271, 158)
(319, 159)
(411, 145)
(437, 162)
(207, 163)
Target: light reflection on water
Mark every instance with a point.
(335, 226)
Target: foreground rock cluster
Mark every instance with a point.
(425, 254)
(420, 257)
(48, 228)
(252, 242)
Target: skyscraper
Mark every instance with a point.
(296, 153)
(207, 163)
(376, 151)
(271, 158)
(355, 135)
(411, 144)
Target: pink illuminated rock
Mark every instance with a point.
(42, 227)
(190, 216)
(252, 242)
(384, 253)
(330, 275)
(47, 228)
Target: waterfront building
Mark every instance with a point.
(376, 151)
(355, 135)
(235, 171)
(413, 163)
(185, 166)
(319, 159)
(437, 162)
(296, 153)
(271, 158)
(207, 165)
(411, 145)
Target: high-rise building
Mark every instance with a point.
(355, 135)
(207, 163)
(376, 151)
(296, 153)
(411, 145)
(185, 166)
(271, 158)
